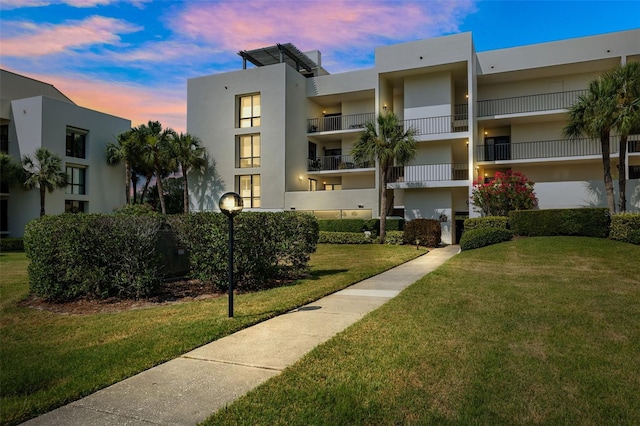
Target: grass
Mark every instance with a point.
(533, 331)
(47, 359)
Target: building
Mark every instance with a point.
(35, 114)
(281, 131)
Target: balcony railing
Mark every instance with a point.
(543, 149)
(436, 125)
(430, 172)
(339, 122)
(336, 162)
(531, 103)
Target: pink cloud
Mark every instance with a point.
(326, 24)
(42, 39)
(135, 103)
(17, 4)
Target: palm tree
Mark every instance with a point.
(189, 154)
(593, 115)
(156, 151)
(388, 144)
(124, 151)
(44, 171)
(625, 81)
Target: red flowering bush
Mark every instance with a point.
(506, 192)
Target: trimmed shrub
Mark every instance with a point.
(428, 231)
(267, 246)
(342, 225)
(625, 227)
(394, 238)
(373, 225)
(344, 238)
(11, 244)
(481, 237)
(498, 222)
(77, 255)
(587, 222)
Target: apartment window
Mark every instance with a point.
(75, 206)
(332, 187)
(634, 172)
(313, 185)
(76, 143)
(76, 182)
(4, 138)
(250, 111)
(249, 151)
(250, 190)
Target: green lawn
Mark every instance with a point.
(49, 359)
(533, 331)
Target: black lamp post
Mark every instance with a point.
(230, 204)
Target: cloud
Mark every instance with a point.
(45, 39)
(19, 4)
(133, 102)
(328, 24)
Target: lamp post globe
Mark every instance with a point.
(230, 204)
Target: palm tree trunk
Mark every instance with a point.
(608, 181)
(163, 208)
(42, 194)
(622, 175)
(127, 185)
(383, 205)
(185, 184)
(145, 189)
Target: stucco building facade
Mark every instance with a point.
(281, 130)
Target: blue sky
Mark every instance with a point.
(133, 58)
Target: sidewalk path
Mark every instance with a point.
(188, 389)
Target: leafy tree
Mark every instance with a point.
(11, 172)
(189, 154)
(173, 196)
(44, 171)
(389, 144)
(124, 150)
(593, 115)
(157, 151)
(506, 192)
(625, 82)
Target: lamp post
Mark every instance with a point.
(230, 204)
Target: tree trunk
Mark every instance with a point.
(622, 175)
(185, 184)
(145, 189)
(42, 194)
(160, 191)
(383, 205)
(127, 185)
(608, 181)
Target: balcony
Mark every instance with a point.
(546, 149)
(437, 125)
(339, 122)
(336, 162)
(530, 103)
(430, 173)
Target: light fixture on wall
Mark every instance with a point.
(467, 142)
(300, 178)
(361, 206)
(486, 133)
(384, 107)
(324, 112)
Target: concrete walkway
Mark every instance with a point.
(188, 389)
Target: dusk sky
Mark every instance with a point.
(133, 58)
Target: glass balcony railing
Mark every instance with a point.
(336, 162)
(430, 172)
(530, 103)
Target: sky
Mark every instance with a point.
(132, 58)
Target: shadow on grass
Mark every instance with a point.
(314, 275)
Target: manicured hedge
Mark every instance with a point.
(394, 238)
(91, 255)
(625, 227)
(481, 237)
(428, 231)
(588, 222)
(98, 256)
(359, 225)
(345, 238)
(499, 222)
(11, 244)
(267, 246)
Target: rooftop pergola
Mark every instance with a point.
(278, 54)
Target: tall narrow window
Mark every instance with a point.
(249, 111)
(75, 206)
(249, 151)
(76, 182)
(250, 190)
(76, 143)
